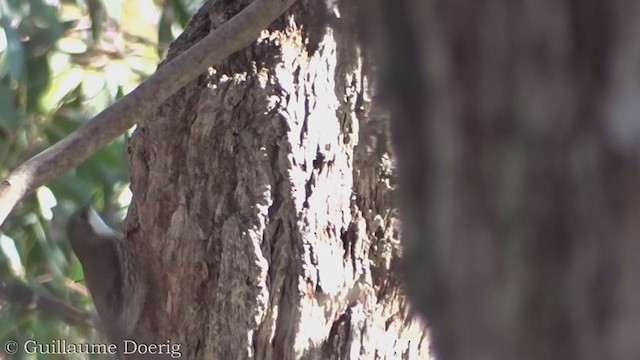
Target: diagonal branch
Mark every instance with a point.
(232, 36)
(20, 294)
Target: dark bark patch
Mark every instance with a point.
(339, 339)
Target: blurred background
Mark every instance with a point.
(61, 62)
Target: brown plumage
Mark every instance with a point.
(115, 281)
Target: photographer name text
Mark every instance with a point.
(129, 347)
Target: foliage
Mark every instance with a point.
(61, 62)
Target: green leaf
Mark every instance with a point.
(181, 12)
(165, 35)
(48, 14)
(61, 86)
(9, 116)
(75, 272)
(12, 59)
(38, 79)
(69, 186)
(13, 9)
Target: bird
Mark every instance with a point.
(111, 273)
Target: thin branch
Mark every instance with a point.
(20, 294)
(230, 37)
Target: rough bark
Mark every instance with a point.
(117, 118)
(517, 132)
(263, 207)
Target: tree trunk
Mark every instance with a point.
(517, 132)
(263, 208)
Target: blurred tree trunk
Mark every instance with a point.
(517, 131)
(263, 208)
